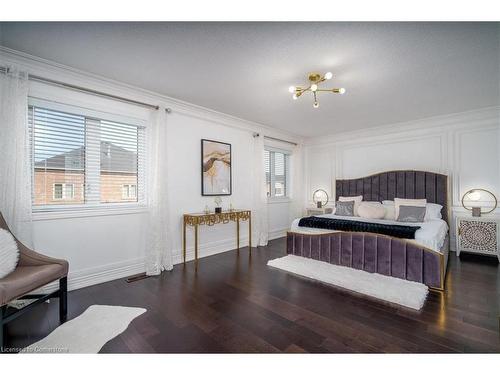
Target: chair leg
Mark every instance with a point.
(3, 309)
(63, 299)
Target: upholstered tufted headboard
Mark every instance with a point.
(398, 184)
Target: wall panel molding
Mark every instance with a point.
(440, 145)
(479, 117)
(459, 142)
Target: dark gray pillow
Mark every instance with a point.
(344, 208)
(411, 214)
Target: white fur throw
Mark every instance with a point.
(403, 292)
(371, 210)
(9, 253)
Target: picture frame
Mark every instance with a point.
(216, 168)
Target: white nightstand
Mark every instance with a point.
(479, 235)
(310, 211)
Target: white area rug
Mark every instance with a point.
(402, 292)
(88, 332)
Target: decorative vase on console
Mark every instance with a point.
(218, 205)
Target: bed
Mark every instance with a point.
(422, 259)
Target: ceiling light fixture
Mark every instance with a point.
(314, 80)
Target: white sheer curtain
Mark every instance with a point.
(260, 226)
(15, 159)
(297, 183)
(158, 239)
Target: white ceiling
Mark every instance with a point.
(392, 71)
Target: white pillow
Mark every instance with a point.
(9, 253)
(432, 211)
(371, 210)
(357, 200)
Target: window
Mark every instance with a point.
(63, 191)
(129, 192)
(119, 162)
(276, 167)
(58, 146)
(83, 161)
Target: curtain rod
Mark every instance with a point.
(275, 139)
(36, 78)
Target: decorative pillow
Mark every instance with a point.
(390, 211)
(432, 212)
(407, 202)
(344, 208)
(371, 210)
(357, 200)
(9, 253)
(411, 214)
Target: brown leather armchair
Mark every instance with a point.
(33, 271)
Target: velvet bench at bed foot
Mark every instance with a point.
(373, 253)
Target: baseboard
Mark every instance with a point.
(221, 246)
(88, 277)
(99, 275)
(208, 249)
(278, 233)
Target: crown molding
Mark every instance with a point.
(53, 70)
(486, 116)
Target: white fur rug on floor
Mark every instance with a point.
(402, 292)
(88, 332)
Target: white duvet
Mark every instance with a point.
(432, 233)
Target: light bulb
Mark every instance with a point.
(316, 105)
(328, 75)
(294, 96)
(342, 91)
(314, 87)
(291, 89)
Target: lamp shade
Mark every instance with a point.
(475, 195)
(320, 197)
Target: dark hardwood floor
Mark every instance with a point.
(234, 303)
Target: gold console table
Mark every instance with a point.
(213, 218)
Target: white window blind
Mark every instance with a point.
(277, 172)
(83, 161)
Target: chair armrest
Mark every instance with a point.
(29, 257)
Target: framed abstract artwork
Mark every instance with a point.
(216, 166)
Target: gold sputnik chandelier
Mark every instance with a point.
(315, 79)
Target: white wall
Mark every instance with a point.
(465, 146)
(108, 245)
(184, 134)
